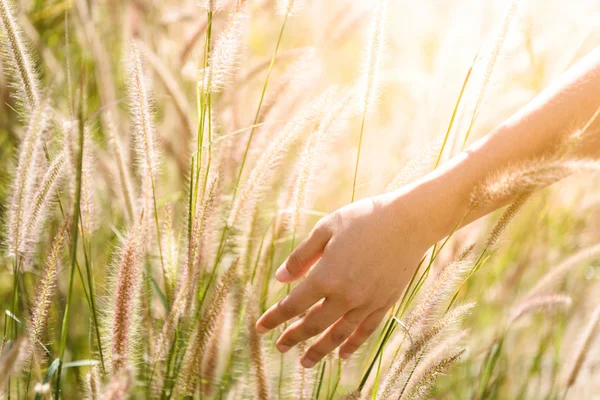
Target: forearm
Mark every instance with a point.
(536, 131)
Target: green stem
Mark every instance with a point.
(257, 115)
(75, 233)
(360, 139)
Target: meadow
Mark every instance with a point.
(160, 159)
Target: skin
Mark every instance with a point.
(365, 253)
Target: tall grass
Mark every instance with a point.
(124, 277)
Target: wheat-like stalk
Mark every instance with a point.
(119, 385)
(325, 127)
(547, 303)
(191, 365)
(11, 359)
(504, 220)
(93, 384)
(558, 273)
(527, 178)
(147, 153)
(200, 226)
(257, 360)
(374, 52)
(46, 289)
(491, 63)
(124, 174)
(41, 202)
(26, 177)
(451, 318)
(289, 7)
(437, 293)
(126, 293)
(225, 57)
(587, 338)
(19, 60)
(252, 190)
(426, 375)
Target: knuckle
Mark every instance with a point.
(315, 353)
(323, 226)
(294, 262)
(326, 284)
(287, 308)
(368, 330)
(311, 330)
(349, 299)
(338, 337)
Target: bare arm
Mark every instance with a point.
(366, 252)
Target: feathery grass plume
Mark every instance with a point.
(125, 304)
(375, 47)
(303, 391)
(18, 60)
(87, 192)
(26, 177)
(41, 202)
(546, 303)
(491, 63)
(353, 396)
(88, 209)
(424, 339)
(170, 246)
(225, 56)
(325, 126)
(587, 339)
(119, 385)
(417, 167)
(527, 178)
(11, 359)
(440, 290)
(504, 220)
(211, 359)
(426, 375)
(45, 291)
(143, 125)
(191, 365)
(289, 7)
(93, 384)
(256, 353)
(186, 282)
(212, 5)
(124, 174)
(558, 273)
(260, 177)
(170, 83)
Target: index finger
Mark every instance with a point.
(299, 300)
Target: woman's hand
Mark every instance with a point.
(365, 253)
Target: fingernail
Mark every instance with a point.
(283, 347)
(345, 355)
(282, 274)
(308, 363)
(261, 329)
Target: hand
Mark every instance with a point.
(365, 254)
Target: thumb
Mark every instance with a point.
(305, 255)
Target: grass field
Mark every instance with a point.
(159, 160)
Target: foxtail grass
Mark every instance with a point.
(19, 60)
(370, 81)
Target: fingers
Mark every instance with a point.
(362, 333)
(334, 336)
(305, 255)
(319, 318)
(300, 298)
